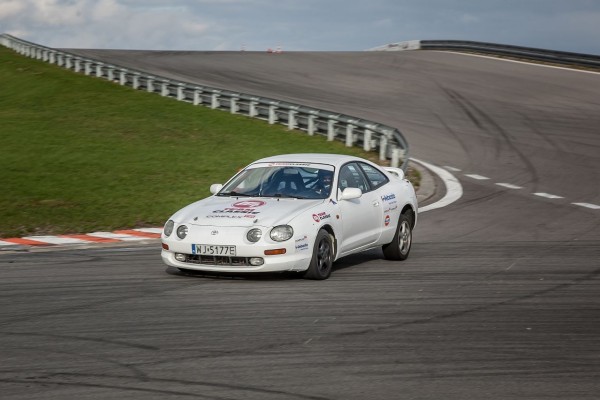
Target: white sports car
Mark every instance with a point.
(296, 212)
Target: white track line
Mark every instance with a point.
(56, 240)
(522, 62)
(588, 205)
(509, 186)
(478, 177)
(149, 230)
(453, 187)
(548, 195)
(119, 236)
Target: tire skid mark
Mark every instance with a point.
(52, 379)
(492, 127)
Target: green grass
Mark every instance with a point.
(79, 154)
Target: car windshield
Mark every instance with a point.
(292, 180)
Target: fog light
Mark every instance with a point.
(180, 257)
(256, 261)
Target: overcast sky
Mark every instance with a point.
(298, 25)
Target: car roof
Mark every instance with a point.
(321, 158)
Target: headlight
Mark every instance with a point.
(254, 235)
(282, 233)
(182, 231)
(169, 228)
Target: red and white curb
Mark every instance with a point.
(82, 239)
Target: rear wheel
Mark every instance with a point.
(399, 247)
(322, 258)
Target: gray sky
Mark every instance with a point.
(296, 25)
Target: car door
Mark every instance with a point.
(361, 218)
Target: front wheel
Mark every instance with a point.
(322, 258)
(399, 247)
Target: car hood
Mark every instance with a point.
(243, 211)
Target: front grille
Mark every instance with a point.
(217, 260)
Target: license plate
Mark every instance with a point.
(213, 250)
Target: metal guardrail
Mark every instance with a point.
(528, 53)
(388, 141)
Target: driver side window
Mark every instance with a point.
(350, 176)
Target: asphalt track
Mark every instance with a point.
(500, 298)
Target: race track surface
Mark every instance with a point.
(500, 298)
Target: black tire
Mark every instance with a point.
(322, 258)
(399, 247)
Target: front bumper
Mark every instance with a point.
(240, 263)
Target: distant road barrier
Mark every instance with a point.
(388, 141)
(528, 53)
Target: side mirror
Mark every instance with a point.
(351, 193)
(215, 188)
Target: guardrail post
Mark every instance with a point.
(197, 97)
(60, 60)
(382, 147)
(68, 62)
(180, 92)
(110, 73)
(99, 70)
(272, 113)
(214, 101)
(77, 65)
(150, 84)
(135, 81)
(252, 111)
(123, 77)
(367, 140)
(331, 129)
(233, 106)
(395, 157)
(164, 91)
(88, 67)
(52, 57)
(311, 124)
(292, 119)
(349, 135)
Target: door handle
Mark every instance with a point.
(375, 203)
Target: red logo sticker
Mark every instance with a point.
(249, 204)
(387, 220)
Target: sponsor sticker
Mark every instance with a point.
(249, 204)
(321, 216)
(390, 208)
(301, 239)
(289, 164)
(386, 221)
(301, 247)
(240, 209)
(231, 216)
(388, 197)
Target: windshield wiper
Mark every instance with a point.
(287, 196)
